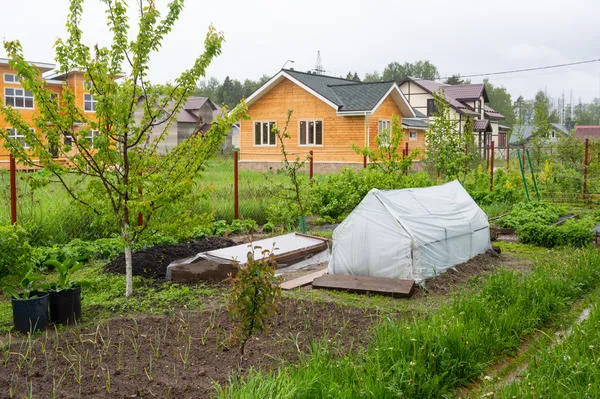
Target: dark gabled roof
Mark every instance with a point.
(415, 122)
(348, 95)
(360, 97)
(320, 83)
(522, 133)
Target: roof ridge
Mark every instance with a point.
(315, 74)
(354, 83)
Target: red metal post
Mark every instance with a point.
(310, 169)
(13, 190)
(365, 162)
(492, 169)
(406, 149)
(585, 165)
(507, 157)
(236, 210)
(487, 157)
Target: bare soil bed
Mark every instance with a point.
(176, 356)
(152, 262)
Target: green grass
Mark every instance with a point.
(567, 369)
(431, 357)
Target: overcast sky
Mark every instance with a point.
(359, 36)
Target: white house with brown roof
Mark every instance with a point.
(466, 101)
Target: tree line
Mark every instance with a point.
(517, 112)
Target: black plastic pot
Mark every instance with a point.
(65, 305)
(30, 314)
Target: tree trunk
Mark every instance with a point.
(128, 272)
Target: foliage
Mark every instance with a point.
(230, 92)
(397, 72)
(570, 150)
(575, 233)
(532, 212)
(64, 270)
(556, 178)
(123, 160)
(386, 154)
(432, 356)
(16, 256)
(445, 143)
(333, 197)
(501, 101)
(291, 196)
(255, 290)
(507, 186)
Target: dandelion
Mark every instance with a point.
(412, 364)
(487, 378)
(591, 346)
(413, 339)
(567, 358)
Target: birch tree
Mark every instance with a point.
(119, 171)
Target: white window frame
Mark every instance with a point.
(410, 135)
(14, 134)
(91, 100)
(384, 124)
(68, 137)
(14, 76)
(314, 133)
(87, 85)
(91, 135)
(22, 96)
(269, 126)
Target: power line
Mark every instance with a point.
(527, 69)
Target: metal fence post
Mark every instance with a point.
(13, 190)
(236, 210)
(310, 169)
(492, 168)
(507, 157)
(364, 162)
(585, 165)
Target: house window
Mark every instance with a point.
(264, 134)
(553, 134)
(11, 78)
(89, 103)
(310, 132)
(18, 98)
(91, 137)
(431, 108)
(412, 135)
(68, 140)
(384, 126)
(13, 134)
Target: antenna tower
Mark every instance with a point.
(318, 65)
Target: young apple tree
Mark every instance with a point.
(113, 152)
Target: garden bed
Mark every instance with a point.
(176, 356)
(152, 262)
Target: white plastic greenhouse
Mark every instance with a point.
(411, 234)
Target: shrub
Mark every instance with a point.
(255, 290)
(16, 256)
(575, 233)
(532, 212)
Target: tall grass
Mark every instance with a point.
(429, 358)
(51, 216)
(568, 369)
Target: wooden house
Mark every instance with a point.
(329, 116)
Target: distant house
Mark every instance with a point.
(466, 101)
(583, 132)
(329, 116)
(196, 116)
(522, 134)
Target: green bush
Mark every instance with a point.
(532, 212)
(575, 233)
(16, 256)
(335, 196)
(508, 187)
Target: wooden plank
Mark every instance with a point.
(302, 281)
(360, 284)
